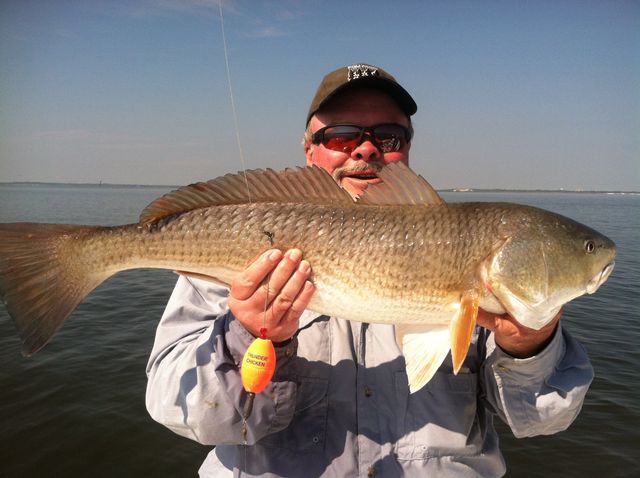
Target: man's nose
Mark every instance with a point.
(366, 151)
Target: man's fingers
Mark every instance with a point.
(298, 306)
(287, 307)
(253, 276)
(302, 301)
(286, 297)
(274, 290)
(284, 273)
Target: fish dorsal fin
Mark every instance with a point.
(400, 185)
(309, 185)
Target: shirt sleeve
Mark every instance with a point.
(539, 395)
(194, 386)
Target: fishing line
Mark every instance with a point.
(259, 361)
(233, 103)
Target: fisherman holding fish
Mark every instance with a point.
(340, 402)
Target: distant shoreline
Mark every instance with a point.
(105, 185)
(569, 191)
(448, 190)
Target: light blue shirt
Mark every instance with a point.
(339, 402)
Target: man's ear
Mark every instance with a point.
(308, 152)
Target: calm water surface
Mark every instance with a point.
(77, 409)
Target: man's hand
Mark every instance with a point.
(515, 339)
(289, 293)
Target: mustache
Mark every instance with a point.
(357, 168)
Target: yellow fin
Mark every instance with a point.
(462, 328)
(424, 348)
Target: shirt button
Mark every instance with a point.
(371, 471)
(315, 440)
(367, 392)
(289, 352)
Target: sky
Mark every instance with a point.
(511, 94)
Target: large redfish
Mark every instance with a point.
(397, 255)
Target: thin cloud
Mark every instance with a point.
(65, 33)
(104, 140)
(154, 8)
(186, 5)
(285, 15)
(266, 32)
(164, 8)
(64, 136)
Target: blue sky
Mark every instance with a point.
(510, 94)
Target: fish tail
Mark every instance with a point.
(42, 279)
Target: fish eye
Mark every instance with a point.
(589, 246)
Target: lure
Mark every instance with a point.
(259, 361)
(258, 365)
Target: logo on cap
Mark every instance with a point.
(361, 71)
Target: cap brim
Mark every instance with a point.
(393, 89)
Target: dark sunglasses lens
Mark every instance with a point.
(389, 137)
(341, 138)
(346, 138)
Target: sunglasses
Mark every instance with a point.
(388, 137)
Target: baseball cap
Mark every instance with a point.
(360, 74)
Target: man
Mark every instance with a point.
(339, 403)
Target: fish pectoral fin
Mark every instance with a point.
(204, 277)
(462, 326)
(424, 348)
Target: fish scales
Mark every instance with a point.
(393, 245)
(412, 255)
(398, 261)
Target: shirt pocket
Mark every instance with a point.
(440, 419)
(308, 427)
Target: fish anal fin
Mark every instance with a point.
(424, 349)
(462, 327)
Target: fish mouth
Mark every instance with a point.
(600, 278)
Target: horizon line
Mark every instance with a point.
(454, 190)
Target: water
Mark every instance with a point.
(77, 409)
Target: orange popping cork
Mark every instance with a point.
(258, 364)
